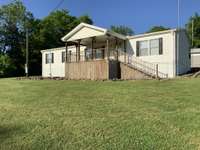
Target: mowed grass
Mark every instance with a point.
(94, 115)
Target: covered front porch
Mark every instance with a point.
(94, 44)
(102, 54)
(97, 53)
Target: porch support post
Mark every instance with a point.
(79, 50)
(124, 51)
(107, 49)
(66, 53)
(92, 47)
(76, 52)
(117, 49)
(85, 55)
(70, 56)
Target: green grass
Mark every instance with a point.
(70, 115)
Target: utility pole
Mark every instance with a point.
(179, 14)
(26, 65)
(178, 39)
(192, 33)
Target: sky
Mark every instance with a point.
(140, 15)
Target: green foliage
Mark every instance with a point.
(85, 19)
(47, 33)
(6, 67)
(58, 24)
(43, 34)
(88, 115)
(196, 22)
(157, 29)
(13, 22)
(122, 30)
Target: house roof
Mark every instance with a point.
(56, 49)
(151, 34)
(102, 32)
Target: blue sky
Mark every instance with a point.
(140, 15)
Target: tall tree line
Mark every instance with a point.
(44, 33)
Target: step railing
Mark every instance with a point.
(143, 66)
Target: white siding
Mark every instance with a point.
(166, 62)
(195, 58)
(56, 69)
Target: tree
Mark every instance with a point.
(157, 29)
(13, 22)
(196, 31)
(85, 19)
(35, 45)
(122, 30)
(43, 34)
(56, 25)
(48, 33)
(5, 66)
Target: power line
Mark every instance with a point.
(178, 37)
(59, 4)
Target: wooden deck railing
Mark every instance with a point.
(135, 62)
(73, 57)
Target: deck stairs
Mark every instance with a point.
(148, 68)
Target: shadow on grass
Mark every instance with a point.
(8, 132)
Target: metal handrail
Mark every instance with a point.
(146, 67)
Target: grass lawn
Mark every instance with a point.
(72, 115)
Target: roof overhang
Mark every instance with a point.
(83, 31)
(195, 51)
(152, 34)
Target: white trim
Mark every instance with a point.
(116, 35)
(151, 34)
(195, 51)
(56, 49)
(79, 27)
(103, 30)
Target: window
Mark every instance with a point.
(150, 47)
(154, 47)
(99, 54)
(63, 56)
(49, 58)
(88, 54)
(143, 48)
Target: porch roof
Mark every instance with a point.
(83, 31)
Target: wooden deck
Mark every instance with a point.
(128, 73)
(102, 70)
(88, 70)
